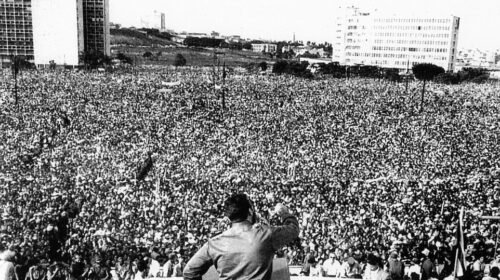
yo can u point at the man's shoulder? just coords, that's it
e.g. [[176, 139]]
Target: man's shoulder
[[229, 233], [382, 274]]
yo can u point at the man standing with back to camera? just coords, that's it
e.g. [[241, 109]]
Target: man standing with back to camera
[[246, 250]]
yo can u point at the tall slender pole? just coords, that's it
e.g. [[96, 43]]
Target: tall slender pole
[[223, 86], [15, 85], [407, 70]]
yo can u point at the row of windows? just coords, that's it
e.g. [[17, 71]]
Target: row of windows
[[404, 49], [415, 27], [411, 42], [15, 5], [18, 37], [399, 56], [18, 14], [416, 35], [26, 21], [423, 35], [412, 20]]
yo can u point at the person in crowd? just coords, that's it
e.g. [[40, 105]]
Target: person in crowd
[[332, 266], [179, 267], [368, 173], [246, 250], [494, 273], [428, 267], [374, 271], [395, 267], [7, 265]]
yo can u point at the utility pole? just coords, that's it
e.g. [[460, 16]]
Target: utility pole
[[15, 71], [407, 70]]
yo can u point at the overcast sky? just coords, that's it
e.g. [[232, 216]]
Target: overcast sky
[[311, 20]]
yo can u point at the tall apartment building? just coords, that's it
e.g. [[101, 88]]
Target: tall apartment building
[[96, 26], [394, 41], [16, 30], [57, 39], [163, 27], [53, 30]]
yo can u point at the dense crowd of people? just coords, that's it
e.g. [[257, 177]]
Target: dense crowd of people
[[123, 175]]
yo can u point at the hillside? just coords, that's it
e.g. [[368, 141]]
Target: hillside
[[132, 37], [135, 44]]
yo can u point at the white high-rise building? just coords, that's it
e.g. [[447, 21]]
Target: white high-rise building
[[394, 41], [57, 39]]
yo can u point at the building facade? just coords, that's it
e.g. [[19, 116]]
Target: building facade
[[16, 29], [270, 48], [58, 39], [476, 58], [53, 30], [96, 26], [394, 41]]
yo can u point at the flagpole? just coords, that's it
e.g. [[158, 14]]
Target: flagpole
[[460, 245]]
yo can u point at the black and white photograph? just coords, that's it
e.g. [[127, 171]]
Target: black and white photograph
[[249, 139]]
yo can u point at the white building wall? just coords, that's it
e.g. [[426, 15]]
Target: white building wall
[[394, 41], [264, 47], [55, 31]]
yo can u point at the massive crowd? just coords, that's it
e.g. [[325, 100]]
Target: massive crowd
[[123, 175]]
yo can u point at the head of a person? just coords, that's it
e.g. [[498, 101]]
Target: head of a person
[[238, 208], [373, 262], [494, 271]]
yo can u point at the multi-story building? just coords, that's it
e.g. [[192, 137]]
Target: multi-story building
[[163, 27], [264, 47], [16, 29], [394, 41], [58, 39], [53, 30], [154, 20], [96, 26], [476, 58], [233, 38]]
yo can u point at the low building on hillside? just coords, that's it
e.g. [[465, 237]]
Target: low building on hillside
[[264, 47]]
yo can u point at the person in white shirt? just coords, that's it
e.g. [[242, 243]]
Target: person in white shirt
[[332, 267], [414, 268], [179, 267], [7, 265], [494, 271], [154, 268], [373, 270], [316, 270]]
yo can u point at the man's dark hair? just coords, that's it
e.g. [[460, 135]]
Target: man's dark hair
[[494, 272], [237, 207], [372, 259]]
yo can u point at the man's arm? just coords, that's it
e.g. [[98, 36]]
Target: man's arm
[[198, 265], [287, 232]]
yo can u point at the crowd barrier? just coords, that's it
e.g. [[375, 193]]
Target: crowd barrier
[[281, 271], [291, 278]]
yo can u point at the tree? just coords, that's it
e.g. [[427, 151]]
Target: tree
[[95, 59], [426, 72], [470, 74], [179, 60], [263, 66], [280, 67], [247, 46], [123, 58], [447, 78]]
